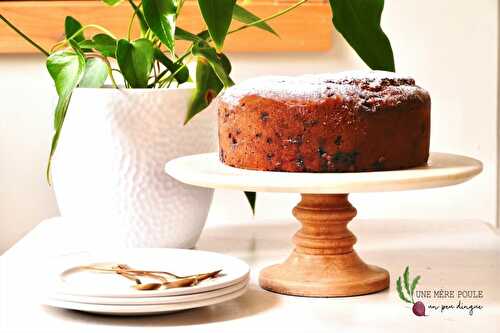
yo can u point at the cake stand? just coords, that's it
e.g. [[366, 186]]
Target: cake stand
[[323, 263]]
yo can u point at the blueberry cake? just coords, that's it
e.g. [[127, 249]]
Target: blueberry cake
[[345, 122]]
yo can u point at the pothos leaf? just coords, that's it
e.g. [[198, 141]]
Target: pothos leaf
[[96, 73], [359, 22], [112, 2], [244, 16], [182, 74], [66, 69], [208, 86], [219, 62], [160, 16], [182, 34], [135, 60], [71, 27], [217, 15], [251, 198], [204, 35], [103, 43], [401, 294]]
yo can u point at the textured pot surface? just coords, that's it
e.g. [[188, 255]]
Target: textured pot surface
[[108, 168]]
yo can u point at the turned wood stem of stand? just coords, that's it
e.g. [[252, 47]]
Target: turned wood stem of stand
[[323, 263], [324, 221]]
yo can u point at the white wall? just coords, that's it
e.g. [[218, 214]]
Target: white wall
[[449, 46], [26, 101]]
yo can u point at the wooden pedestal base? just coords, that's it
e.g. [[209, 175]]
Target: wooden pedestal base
[[324, 263]]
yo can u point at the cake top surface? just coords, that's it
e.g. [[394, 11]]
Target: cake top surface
[[373, 87]]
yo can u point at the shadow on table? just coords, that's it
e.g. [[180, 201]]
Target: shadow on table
[[253, 302]]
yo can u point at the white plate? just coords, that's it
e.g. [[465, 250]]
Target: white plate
[[180, 262], [137, 310], [149, 300], [207, 171]]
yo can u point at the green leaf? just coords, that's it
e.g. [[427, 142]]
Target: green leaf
[[96, 73], [400, 291], [406, 280], [103, 43], [61, 108], [182, 34], [208, 86], [182, 74], [217, 15], [251, 198], [72, 26], [66, 69], [204, 35], [112, 2], [359, 22], [219, 62], [160, 16], [244, 16], [414, 285], [135, 60]]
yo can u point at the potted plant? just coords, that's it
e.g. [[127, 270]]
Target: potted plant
[[107, 161]]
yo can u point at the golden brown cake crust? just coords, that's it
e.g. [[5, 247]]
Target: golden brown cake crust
[[347, 122]]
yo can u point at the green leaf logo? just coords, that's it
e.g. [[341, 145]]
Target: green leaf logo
[[406, 290], [409, 288]]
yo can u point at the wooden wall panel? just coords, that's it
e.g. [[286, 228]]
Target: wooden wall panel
[[307, 28]]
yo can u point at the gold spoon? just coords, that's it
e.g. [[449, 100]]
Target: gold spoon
[[182, 282]]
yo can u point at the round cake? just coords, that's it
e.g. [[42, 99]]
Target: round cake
[[344, 122]]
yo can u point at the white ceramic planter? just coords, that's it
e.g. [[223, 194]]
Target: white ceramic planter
[[108, 169]]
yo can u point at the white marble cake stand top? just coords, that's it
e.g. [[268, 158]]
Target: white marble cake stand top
[[206, 170]]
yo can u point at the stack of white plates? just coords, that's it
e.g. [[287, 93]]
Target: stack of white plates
[[112, 294]]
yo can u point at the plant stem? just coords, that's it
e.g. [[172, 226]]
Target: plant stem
[[171, 76], [123, 78], [284, 11], [179, 60], [29, 40], [142, 24], [95, 26], [130, 26], [155, 71]]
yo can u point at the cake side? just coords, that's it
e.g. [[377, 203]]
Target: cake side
[[326, 123]]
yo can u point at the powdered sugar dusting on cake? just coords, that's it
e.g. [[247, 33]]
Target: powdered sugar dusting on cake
[[320, 86], [376, 76], [307, 87]]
